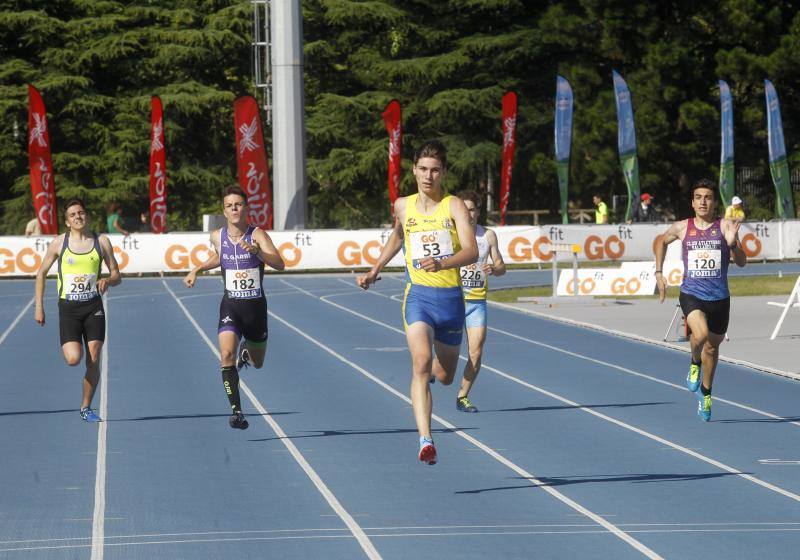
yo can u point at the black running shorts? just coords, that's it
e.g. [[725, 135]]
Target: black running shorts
[[717, 312], [245, 317], [80, 321]]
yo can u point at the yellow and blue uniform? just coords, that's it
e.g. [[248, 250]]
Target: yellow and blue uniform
[[80, 307], [476, 284], [435, 298]]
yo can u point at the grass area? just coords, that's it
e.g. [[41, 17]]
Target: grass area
[[739, 286]]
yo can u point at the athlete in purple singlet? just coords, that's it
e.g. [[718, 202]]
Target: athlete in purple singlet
[[708, 244], [241, 251]]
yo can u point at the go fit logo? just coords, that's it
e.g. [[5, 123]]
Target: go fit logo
[[522, 249], [353, 253]]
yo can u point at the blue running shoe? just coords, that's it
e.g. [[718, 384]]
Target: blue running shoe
[[465, 405], [244, 359], [89, 416], [704, 407], [693, 378], [427, 452]]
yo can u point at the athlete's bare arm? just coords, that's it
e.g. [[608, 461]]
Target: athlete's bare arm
[[210, 263], [264, 249], [730, 229], [466, 236], [393, 245], [674, 232], [50, 257], [114, 277], [498, 265]]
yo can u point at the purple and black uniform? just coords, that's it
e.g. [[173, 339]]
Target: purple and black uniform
[[243, 309], [706, 256]]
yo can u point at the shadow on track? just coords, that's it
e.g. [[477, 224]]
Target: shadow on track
[[637, 478]]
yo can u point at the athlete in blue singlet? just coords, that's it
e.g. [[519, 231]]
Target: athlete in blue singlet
[[438, 239], [708, 244], [81, 317], [241, 251]]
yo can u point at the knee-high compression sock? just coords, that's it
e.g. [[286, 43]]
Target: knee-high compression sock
[[230, 379]]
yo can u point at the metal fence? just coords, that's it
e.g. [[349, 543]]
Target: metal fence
[[755, 183]]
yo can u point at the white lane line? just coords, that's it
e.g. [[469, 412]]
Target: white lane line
[[587, 531], [610, 527], [446, 529], [15, 321], [600, 415], [99, 518], [355, 528], [638, 338], [681, 388]]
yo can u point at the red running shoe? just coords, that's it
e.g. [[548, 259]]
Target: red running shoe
[[427, 452]]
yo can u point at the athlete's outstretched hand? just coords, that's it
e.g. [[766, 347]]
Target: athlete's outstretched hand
[[365, 280], [732, 232], [38, 315], [189, 279], [662, 287]]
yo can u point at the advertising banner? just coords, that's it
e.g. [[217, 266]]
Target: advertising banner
[[43, 185], [727, 177], [393, 119], [158, 168], [359, 249], [563, 134], [626, 141]]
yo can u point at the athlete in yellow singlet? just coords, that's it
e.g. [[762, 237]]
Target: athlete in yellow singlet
[[475, 281], [82, 322], [438, 239]]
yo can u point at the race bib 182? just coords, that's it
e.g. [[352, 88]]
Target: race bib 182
[[243, 283]]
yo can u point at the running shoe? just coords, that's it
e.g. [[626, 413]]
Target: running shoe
[[704, 407], [89, 416], [693, 378], [244, 359], [427, 452], [465, 405], [237, 421], [432, 380]]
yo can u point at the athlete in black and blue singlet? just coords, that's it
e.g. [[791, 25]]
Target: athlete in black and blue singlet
[[82, 322], [241, 251], [708, 243]]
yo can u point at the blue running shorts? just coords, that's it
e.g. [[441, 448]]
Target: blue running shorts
[[475, 313], [441, 308]]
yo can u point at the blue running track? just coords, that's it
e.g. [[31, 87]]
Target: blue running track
[[586, 445]]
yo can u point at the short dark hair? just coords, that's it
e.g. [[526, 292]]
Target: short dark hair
[[234, 189], [470, 195], [73, 202], [597, 195], [432, 149], [705, 184]]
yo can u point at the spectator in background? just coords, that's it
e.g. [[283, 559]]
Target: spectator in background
[[33, 227], [601, 214], [735, 211], [144, 222], [114, 220], [644, 211]]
